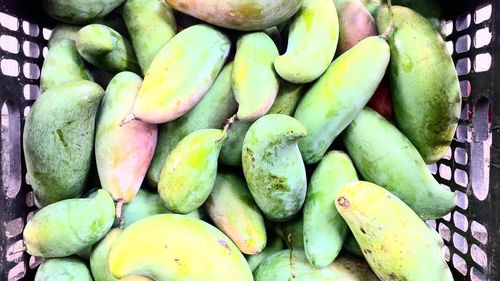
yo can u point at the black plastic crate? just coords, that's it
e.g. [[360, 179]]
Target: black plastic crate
[[471, 167]]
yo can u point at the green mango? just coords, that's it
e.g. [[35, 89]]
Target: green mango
[[293, 233], [69, 226], [255, 84], [63, 269], [107, 49], [123, 152], [286, 102], [145, 204], [293, 265], [338, 96], [397, 244], [58, 140], [424, 84], [273, 166], [384, 156], [240, 15], [188, 175], [372, 6], [194, 57], [324, 229], [351, 246], [274, 245], [211, 112], [312, 41], [63, 31], [150, 23], [62, 64], [78, 11], [427, 8], [99, 257], [233, 210]]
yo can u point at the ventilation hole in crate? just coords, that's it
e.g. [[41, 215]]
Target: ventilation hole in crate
[[463, 22], [460, 243], [482, 37], [14, 227], [46, 33], [479, 256], [30, 199], [461, 156], [459, 264], [26, 111], [30, 215], [31, 49], [9, 43], [461, 177], [463, 133], [448, 27], [447, 217], [11, 149], [17, 272], [465, 88], [449, 47], [460, 221], [9, 21], [444, 231], [31, 92], [34, 262], [31, 70], [433, 168], [463, 44], [10, 67], [463, 66], [476, 275], [31, 29], [27, 179], [479, 232], [482, 62], [45, 52], [15, 251], [444, 172], [448, 153], [446, 253], [482, 13], [462, 200], [431, 223]]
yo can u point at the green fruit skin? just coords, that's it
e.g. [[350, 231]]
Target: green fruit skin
[[63, 31], [233, 210], [338, 96], [285, 264], [274, 245], [324, 229], [424, 84], [397, 244], [145, 204], [427, 8], [286, 102], [69, 226], [188, 175], [151, 24], [78, 11], [99, 257], [312, 42], [194, 57], [240, 15], [62, 64], [211, 112], [63, 269], [351, 246], [377, 147], [105, 48], [255, 84], [58, 140], [293, 233], [273, 167], [372, 6]]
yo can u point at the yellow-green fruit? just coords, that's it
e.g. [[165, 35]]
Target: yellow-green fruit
[[63, 269], [176, 247], [397, 244], [189, 173], [79, 11], [145, 204], [63, 31], [274, 245], [293, 233], [181, 73], [99, 257], [255, 84], [312, 42]]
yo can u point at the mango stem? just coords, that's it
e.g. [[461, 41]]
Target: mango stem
[[228, 124], [119, 214], [390, 28]]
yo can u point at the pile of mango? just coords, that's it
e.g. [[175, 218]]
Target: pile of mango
[[241, 140]]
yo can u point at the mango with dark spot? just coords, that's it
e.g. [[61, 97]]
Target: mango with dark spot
[[424, 84], [78, 11], [293, 233], [63, 269], [397, 244]]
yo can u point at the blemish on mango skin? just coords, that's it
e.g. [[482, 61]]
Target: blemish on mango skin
[[343, 202]]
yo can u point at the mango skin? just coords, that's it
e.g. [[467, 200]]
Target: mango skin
[[293, 233], [194, 251], [123, 151], [337, 97], [99, 256], [145, 204], [189, 173], [397, 244], [194, 57], [150, 23], [312, 42], [80, 223], [58, 140], [63, 269], [255, 84], [376, 147], [324, 229], [240, 15], [293, 265], [63, 31], [424, 84], [211, 112], [78, 11], [273, 166], [274, 245], [351, 246]]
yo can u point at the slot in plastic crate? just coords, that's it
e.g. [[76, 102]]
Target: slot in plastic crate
[[471, 167]]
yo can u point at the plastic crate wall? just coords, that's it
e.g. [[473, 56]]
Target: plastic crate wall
[[471, 167]]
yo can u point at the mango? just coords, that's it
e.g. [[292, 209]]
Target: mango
[[324, 229], [63, 269], [293, 265], [273, 166], [351, 246], [194, 58], [240, 15], [99, 257], [189, 173], [424, 84], [123, 151], [372, 6], [426, 8], [62, 64], [145, 204], [312, 41], [69, 226], [58, 139], [233, 210], [63, 31], [107, 49], [211, 112], [274, 245], [150, 23], [78, 11], [194, 251], [397, 244], [255, 84], [293, 233], [338, 96]]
